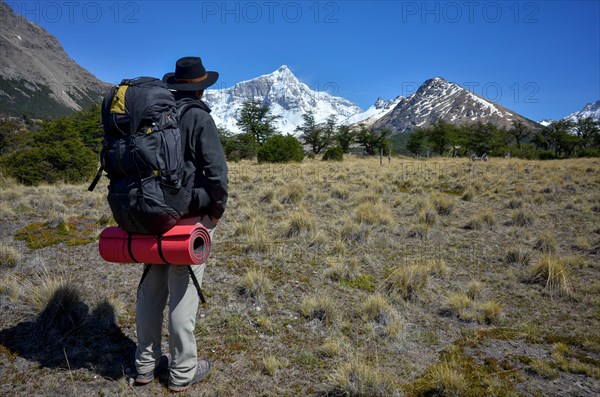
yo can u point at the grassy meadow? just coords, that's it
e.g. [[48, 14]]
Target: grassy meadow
[[439, 277]]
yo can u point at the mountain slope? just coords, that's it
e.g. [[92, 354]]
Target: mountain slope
[[592, 110], [379, 109], [37, 77], [439, 99], [284, 94]]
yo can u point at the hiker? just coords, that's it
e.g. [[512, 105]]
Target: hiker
[[176, 283]]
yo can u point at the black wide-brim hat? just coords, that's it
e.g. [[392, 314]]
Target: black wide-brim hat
[[190, 75]]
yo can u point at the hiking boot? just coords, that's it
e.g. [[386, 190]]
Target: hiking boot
[[202, 370], [162, 364]]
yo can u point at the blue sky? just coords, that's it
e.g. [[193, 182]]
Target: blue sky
[[538, 58]]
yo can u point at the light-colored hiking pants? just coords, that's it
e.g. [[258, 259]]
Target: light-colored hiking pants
[[174, 284]]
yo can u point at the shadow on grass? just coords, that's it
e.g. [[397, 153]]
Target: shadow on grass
[[67, 335]]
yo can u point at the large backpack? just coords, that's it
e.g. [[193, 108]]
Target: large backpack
[[150, 184]]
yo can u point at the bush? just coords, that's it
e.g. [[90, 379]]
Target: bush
[[238, 147], [546, 155], [64, 149], [589, 152], [527, 151], [68, 161], [280, 149], [334, 154]]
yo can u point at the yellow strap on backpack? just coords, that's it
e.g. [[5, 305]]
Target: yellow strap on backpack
[[118, 103]]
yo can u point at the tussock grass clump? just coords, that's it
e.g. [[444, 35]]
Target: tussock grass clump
[[543, 369], [474, 289], [10, 287], [518, 256], [523, 218], [292, 194], [459, 305], [359, 379], [428, 216], [299, 224], [468, 195], [435, 266], [349, 274], [271, 364], [373, 214], [259, 241], [514, 204], [344, 271], [442, 204], [254, 284], [444, 379], [256, 233], [552, 273], [334, 346], [266, 195], [484, 218], [419, 231], [10, 256], [490, 312], [407, 281], [582, 244], [378, 309], [546, 243], [368, 197], [340, 192], [58, 300], [351, 232], [319, 307]]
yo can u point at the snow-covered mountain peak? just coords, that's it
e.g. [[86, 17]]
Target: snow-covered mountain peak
[[286, 97], [380, 103], [439, 99], [380, 108], [592, 110]]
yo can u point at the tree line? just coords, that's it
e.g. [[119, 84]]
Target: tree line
[[66, 149], [327, 138], [559, 139]]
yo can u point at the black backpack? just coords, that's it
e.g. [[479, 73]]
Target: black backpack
[[143, 156]]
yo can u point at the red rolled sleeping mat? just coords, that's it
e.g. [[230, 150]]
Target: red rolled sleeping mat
[[186, 243]]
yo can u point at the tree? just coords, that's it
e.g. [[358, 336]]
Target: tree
[[439, 136], [417, 142], [344, 137], [483, 138], [281, 149], [520, 131], [256, 120], [237, 146], [13, 136], [312, 134], [557, 136], [588, 131], [373, 140]]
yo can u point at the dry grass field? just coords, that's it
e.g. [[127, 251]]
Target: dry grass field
[[437, 277]]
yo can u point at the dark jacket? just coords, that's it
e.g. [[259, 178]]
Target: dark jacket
[[202, 146]]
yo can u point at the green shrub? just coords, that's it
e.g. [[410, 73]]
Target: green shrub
[[334, 154], [546, 155], [281, 149], [64, 149], [589, 152]]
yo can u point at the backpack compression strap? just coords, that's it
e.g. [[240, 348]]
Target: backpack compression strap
[[96, 179]]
